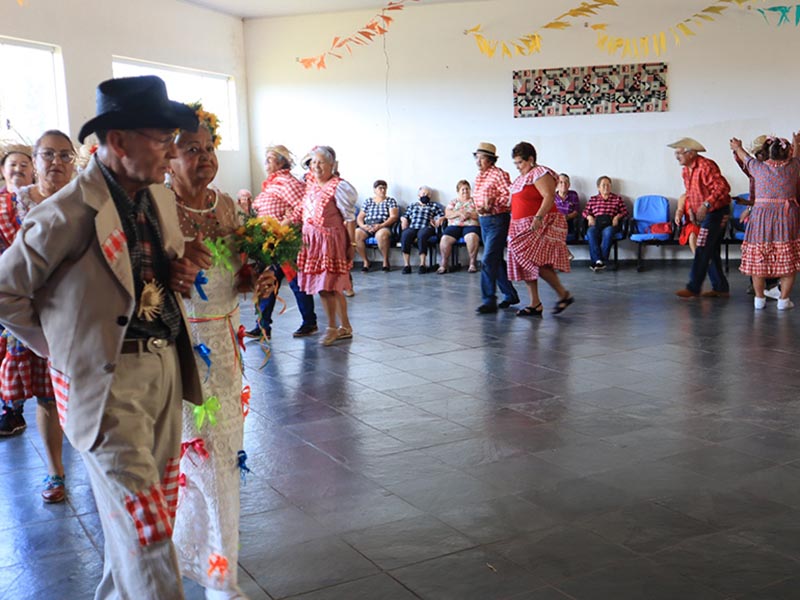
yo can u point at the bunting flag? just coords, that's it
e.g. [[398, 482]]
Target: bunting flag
[[658, 42], [531, 43], [377, 26], [782, 13]]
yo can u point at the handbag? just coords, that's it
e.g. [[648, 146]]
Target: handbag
[[603, 221]]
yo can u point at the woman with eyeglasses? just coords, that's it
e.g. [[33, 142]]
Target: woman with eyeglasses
[[23, 374]]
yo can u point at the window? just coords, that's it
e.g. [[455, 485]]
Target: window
[[216, 91], [36, 99]]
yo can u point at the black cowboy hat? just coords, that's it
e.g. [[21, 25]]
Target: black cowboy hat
[[137, 103]]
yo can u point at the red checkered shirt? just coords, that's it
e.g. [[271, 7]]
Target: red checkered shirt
[[704, 183], [281, 197], [491, 191], [613, 205]]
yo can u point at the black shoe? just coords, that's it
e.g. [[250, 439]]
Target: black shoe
[[305, 330], [386, 269], [508, 303], [11, 422], [365, 269], [406, 270], [422, 270], [485, 309], [255, 332]]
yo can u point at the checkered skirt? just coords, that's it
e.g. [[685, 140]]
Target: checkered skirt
[[528, 250], [771, 247], [24, 375]]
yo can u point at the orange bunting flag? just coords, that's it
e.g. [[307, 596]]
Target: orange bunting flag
[[378, 25]]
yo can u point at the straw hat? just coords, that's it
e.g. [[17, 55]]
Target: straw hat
[[13, 147], [283, 152], [758, 144], [487, 149], [687, 143]]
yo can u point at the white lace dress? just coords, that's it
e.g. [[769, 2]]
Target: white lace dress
[[207, 523]]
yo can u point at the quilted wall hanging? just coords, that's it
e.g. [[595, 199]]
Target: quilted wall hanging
[[597, 90]]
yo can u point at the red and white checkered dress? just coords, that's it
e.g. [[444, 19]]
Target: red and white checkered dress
[[547, 246], [771, 246], [23, 375]]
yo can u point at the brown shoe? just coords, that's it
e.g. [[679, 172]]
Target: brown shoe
[[54, 490], [715, 294], [684, 293]]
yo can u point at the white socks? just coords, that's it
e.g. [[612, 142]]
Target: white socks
[[759, 303]]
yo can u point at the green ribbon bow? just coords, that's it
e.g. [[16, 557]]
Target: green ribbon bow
[[207, 410], [220, 253]]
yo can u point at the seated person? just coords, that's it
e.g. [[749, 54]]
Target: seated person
[[375, 219], [419, 223], [567, 202], [462, 221], [603, 214]]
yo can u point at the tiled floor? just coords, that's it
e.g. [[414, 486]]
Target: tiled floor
[[637, 446]]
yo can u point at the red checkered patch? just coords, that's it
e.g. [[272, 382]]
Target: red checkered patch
[[702, 237], [170, 484], [150, 514], [115, 243], [61, 390]]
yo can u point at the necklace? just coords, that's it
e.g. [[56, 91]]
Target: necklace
[[201, 211]]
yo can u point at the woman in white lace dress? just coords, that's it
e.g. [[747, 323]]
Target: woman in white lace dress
[[206, 533]]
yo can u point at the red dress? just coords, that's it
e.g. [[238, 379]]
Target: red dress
[[23, 375], [528, 250]]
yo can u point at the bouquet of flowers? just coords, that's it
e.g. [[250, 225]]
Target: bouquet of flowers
[[269, 242]]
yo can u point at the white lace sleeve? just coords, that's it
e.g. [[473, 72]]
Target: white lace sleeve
[[346, 198]]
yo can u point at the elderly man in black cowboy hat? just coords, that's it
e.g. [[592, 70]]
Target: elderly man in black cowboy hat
[[92, 282], [493, 203]]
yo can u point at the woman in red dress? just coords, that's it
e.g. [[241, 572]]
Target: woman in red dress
[[537, 236]]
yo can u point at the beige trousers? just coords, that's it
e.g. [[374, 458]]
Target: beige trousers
[[133, 468]]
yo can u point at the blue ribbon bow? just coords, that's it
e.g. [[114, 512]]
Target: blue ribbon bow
[[199, 282], [241, 457], [205, 353]]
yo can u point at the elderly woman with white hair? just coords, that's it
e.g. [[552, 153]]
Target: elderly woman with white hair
[[281, 197], [419, 223], [329, 232]]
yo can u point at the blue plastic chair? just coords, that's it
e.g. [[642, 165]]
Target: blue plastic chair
[[736, 229], [647, 211]]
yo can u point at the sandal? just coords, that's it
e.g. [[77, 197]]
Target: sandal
[[531, 311], [472, 269], [562, 304], [441, 270]]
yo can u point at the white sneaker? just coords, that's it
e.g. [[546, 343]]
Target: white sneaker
[[774, 293], [759, 303], [785, 304]]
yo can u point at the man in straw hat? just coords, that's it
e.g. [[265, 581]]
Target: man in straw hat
[[708, 196], [493, 203], [281, 197], [93, 283]]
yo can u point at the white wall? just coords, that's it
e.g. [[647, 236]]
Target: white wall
[[89, 32], [414, 114]]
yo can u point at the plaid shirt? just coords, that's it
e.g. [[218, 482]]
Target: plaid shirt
[[419, 215], [281, 197], [377, 212], [704, 183], [569, 204], [613, 205], [491, 191], [168, 323]]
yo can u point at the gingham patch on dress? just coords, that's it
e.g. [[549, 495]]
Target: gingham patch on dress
[[114, 244], [61, 390], [150, 515], [170, 485]]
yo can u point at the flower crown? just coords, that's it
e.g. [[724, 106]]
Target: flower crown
[[208, 120]]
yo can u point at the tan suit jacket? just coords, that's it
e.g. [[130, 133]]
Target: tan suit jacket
[[66, 291]]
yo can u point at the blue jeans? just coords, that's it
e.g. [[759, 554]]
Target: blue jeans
[[600, 242], [706, 257], [494, 274], [305, 303]]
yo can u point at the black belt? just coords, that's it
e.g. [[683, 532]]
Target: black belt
[[144, 345]]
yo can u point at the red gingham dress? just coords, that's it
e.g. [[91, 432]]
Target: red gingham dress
[[23, 375], [527, 251]]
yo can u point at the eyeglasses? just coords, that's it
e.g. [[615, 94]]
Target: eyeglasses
[[66, 156], [163, 142]]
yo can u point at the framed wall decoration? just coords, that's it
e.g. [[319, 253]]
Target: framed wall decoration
[[596, 90]]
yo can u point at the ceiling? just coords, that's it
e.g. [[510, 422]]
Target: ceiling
[[251, 9]]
